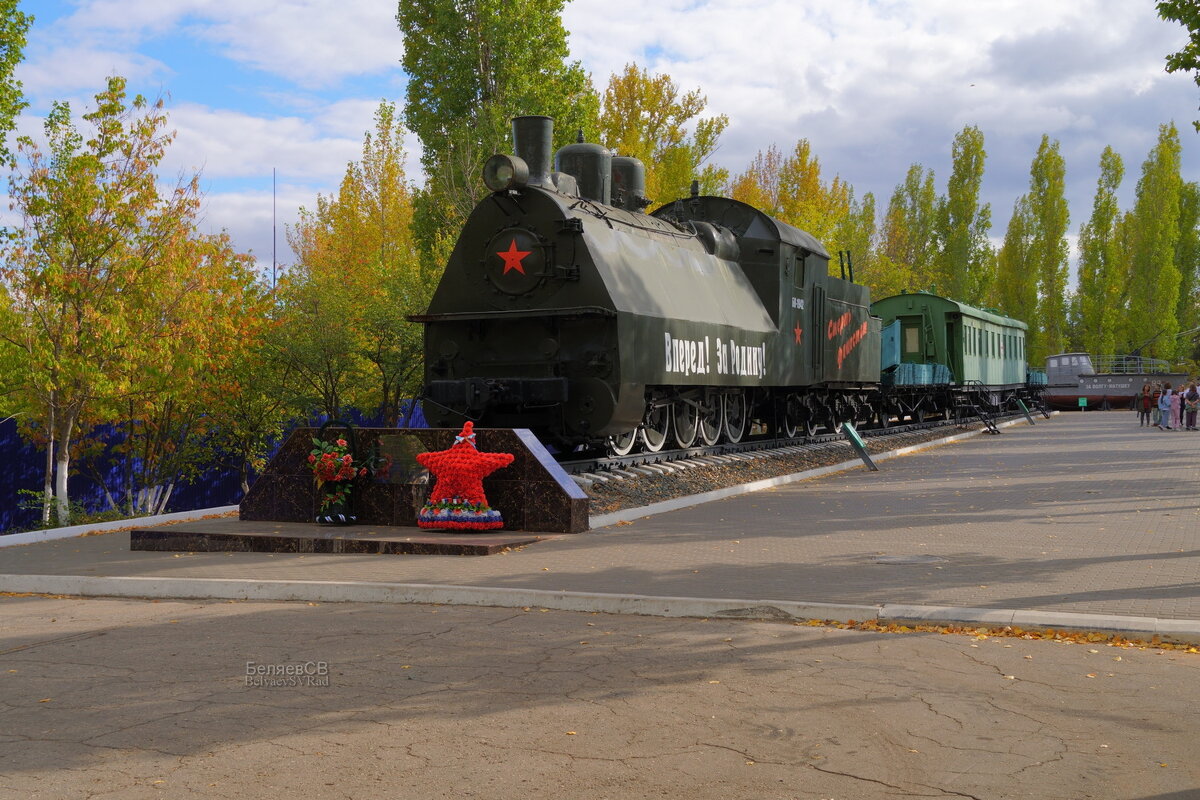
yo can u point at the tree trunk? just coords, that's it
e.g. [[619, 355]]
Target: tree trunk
[[63, 467], [48, 484]]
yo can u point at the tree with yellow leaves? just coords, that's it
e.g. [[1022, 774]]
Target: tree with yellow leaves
[[343, 337], [644, 116]]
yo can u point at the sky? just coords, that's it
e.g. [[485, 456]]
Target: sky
[[270, 98]]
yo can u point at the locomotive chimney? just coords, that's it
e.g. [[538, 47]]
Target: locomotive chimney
[[533, 143]]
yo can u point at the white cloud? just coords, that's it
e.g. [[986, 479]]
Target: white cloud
[[313, 43]]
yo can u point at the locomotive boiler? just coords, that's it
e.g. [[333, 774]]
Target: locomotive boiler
[[566, 309]]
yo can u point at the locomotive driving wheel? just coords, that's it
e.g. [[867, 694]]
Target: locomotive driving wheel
[[622, 444], [685, 418], [712, 419], [793, 415], [655, 427], [737, 415]]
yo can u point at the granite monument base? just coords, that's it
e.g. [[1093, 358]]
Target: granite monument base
[[240, 536]]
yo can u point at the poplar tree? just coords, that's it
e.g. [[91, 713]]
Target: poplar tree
[[1049, 218], [1015, 291], [645, 116], [909, 240], [1155, 277], [1187, 256], [1101, 278], [964, 257], [472, 65]]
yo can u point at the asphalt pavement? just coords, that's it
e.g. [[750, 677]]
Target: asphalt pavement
[[409, 685]]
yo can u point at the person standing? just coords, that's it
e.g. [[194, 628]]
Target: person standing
[[1164, 408], [1191, 405], [1145, 404], [1176, 410]]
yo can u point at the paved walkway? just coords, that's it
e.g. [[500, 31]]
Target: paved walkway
[[1086, 514]]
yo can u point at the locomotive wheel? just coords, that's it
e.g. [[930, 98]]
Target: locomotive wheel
[[833, 414], [622, 444], [712, 419], [792, 411], [685, 420], [656, 427], [810, 425], [737, 415]]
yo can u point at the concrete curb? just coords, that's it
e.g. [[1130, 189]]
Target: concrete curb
[[373, 592], [1139, 628], [631, 514], [32, 537]]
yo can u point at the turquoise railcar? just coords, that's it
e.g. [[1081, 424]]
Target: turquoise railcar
[[975, 346]]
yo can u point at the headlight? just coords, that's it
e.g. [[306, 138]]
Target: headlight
[[503, 172]]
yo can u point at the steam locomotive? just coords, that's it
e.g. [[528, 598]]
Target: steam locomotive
[[566, 309]]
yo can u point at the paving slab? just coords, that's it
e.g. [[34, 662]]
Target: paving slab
[[1084, 514]]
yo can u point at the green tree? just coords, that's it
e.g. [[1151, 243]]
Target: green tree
[[109, 285], [343, 335], [1187, 256], [14, 25], [1049, 218], [1155, 277], [909, 241], [472, 65], [1187, 13], [964, 252], [645, 117], [1016, 288], [1101, 279]]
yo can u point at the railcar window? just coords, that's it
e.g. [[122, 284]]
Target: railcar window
[[912, 340]]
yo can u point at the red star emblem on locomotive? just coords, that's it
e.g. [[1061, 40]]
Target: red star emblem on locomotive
[[513, 257], [799, 332]]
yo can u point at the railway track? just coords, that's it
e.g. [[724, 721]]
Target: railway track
[[665, 462]]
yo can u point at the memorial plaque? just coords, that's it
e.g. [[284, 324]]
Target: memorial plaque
[[402, 450]]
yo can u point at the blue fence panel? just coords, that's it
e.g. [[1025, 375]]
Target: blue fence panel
[[220, 486]]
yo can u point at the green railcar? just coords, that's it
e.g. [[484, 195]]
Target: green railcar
[[978, 347]]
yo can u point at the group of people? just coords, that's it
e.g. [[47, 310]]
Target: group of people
[[1170, 410]]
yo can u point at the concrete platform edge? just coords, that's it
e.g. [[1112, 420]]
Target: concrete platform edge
[[372, 592], [1140, 628]]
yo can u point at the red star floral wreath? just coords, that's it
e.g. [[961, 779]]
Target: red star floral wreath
[[457, 501]]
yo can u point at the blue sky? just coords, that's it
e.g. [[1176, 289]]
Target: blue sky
[[874, 85]]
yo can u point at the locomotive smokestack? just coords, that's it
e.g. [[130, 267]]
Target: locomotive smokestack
[[533, 143]]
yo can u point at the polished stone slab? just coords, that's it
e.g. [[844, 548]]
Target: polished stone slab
[[533, 493], [240, 536]]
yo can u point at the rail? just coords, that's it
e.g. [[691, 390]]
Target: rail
[[1129, 365]]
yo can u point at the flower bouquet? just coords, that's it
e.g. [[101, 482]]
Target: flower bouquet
[[336, 469]]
